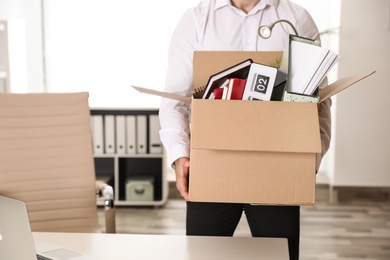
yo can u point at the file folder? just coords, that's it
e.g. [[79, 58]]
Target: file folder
[[98, 139], [155, 145], [109, 134], [130, 134], [141, 122], [120, 134]]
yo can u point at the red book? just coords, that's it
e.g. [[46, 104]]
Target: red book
[[236, 88], [218, 93]]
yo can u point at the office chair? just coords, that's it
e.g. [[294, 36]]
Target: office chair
[[46, 160]]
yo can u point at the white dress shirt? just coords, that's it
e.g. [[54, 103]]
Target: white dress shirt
[[218, 25]]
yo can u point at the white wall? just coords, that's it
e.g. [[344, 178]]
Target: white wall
[[362, 134], [104, 47], [26, 63], [34, 42]]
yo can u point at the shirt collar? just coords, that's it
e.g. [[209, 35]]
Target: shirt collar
[[260, 5]]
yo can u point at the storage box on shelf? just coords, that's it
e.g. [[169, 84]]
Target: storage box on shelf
[[129, 155]]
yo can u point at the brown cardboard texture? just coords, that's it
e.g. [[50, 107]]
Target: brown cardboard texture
[[252, 151], [341, 84]]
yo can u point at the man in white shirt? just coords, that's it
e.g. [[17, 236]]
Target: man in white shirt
[[229, 26]]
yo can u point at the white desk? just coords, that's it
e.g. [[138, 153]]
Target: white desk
[[172, 247]]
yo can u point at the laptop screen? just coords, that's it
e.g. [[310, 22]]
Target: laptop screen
[[16, 240]]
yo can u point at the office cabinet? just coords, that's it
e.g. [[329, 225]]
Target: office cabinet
[[129, 156]]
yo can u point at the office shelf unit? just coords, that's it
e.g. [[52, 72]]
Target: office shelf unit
[[135, 170]]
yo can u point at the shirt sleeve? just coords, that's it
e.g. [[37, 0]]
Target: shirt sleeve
[[306, 26], [174, 115]]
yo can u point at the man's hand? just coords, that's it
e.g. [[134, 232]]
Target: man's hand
[[182, 170]]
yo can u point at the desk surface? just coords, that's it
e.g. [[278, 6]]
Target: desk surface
[[130, 246]]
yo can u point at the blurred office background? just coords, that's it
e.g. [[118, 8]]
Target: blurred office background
[[103, 47]]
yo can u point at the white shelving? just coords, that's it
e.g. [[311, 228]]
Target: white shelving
[[137, 176]]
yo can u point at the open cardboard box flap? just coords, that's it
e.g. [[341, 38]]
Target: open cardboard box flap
[[341, 84]]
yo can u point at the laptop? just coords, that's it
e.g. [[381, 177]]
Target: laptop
[[16, 239]]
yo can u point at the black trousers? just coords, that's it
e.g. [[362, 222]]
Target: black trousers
[[221, 219]]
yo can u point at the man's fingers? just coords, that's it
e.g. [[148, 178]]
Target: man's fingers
[[182, 186]]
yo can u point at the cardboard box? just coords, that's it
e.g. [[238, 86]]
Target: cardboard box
[[255, 152]]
